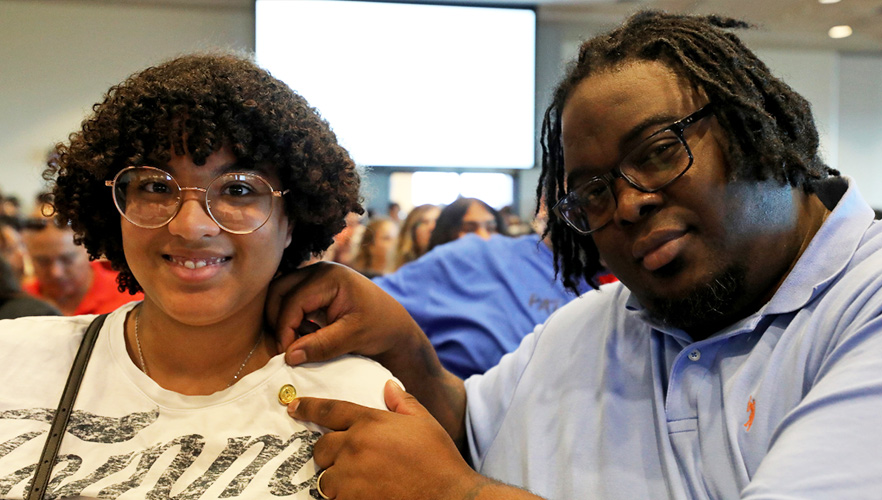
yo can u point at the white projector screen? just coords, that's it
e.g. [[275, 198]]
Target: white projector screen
[[410, 85]]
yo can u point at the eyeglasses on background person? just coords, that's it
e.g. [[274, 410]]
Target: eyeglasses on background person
[[471, 226], [148, 197], [657, 161]]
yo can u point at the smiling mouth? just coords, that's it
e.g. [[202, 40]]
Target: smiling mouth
[[195, 263]]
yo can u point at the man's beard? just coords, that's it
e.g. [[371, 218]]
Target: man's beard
[[709, 305]]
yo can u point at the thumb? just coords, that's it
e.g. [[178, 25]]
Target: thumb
[[401, 402]]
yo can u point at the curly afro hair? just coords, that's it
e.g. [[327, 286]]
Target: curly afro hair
[[197, 104], [771, 131]]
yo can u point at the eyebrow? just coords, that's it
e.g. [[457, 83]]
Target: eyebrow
[[661, 120]]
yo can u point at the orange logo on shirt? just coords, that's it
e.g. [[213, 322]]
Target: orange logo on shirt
[[751, 409]]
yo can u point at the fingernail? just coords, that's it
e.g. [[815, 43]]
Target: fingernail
[[397, 383], [292, 407], [295, 358]]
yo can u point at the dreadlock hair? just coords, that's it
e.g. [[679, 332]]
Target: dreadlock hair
[[196, 105], [770, 129]]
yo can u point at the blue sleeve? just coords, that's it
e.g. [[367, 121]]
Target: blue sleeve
[[477, 299], [434, 290]]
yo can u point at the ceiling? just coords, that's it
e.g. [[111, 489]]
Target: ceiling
[[781, 23]]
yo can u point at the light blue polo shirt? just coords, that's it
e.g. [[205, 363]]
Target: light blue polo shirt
[[600, 403]]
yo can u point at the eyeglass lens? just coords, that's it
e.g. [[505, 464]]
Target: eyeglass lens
[[148, 197], [474, 226], [651, 165]]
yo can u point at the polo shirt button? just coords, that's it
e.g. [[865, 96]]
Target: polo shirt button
[[695, 355]]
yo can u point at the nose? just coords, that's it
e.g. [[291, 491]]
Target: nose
[[192, 221], [632, 204], [56, 269]]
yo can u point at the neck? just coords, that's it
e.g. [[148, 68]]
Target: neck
[[811, 217], [196, 359], [757, 290]]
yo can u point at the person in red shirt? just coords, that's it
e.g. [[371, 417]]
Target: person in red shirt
[[64, 275]]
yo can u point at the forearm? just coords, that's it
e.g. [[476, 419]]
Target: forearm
[[416, 364]]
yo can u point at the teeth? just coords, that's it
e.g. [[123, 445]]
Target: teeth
[[196, 264]]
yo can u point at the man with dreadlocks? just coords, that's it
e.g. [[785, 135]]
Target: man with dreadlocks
[[740, 356]]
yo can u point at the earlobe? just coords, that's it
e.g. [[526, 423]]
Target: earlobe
[[290, 236]]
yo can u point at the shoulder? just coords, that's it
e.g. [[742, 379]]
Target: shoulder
[[53, 325], [579, 328], [26, 305], [611, 301], [43, 335], [576, 332], [348, 378]]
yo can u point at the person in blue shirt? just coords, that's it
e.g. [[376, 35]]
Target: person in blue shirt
[[466, 216], [476, 299], [739, 356]]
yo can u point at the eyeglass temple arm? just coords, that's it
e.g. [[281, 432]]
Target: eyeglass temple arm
[[694, 117]]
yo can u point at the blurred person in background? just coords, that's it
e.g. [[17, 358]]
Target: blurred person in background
[[12, 247], [9, 206], [377, 248], [513, 222], [413, 239], [64, 275], [345, 246], [477, 299], [394, 212], [14, 302], [464, 216]]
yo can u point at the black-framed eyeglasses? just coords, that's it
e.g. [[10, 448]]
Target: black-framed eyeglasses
[[149, 197], [656, 162]]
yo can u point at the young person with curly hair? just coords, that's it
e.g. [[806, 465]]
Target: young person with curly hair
[[740, 355], [200, 180]]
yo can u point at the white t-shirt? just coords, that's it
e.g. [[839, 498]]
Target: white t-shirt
[[130, 438]]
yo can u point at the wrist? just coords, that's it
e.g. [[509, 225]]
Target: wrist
[[479, 487], [411, 356]]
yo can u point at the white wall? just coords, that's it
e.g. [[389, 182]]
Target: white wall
[[58, 58], [815, 75], [860, 125]]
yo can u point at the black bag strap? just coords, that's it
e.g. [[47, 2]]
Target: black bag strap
[[62, 414]]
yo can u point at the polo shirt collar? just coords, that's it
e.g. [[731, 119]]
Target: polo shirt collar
[[831, 249]]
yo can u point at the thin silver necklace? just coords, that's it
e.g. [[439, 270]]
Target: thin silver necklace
[[144, 365]]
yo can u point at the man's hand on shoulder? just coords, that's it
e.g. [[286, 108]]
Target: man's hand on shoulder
[[359, 317]]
